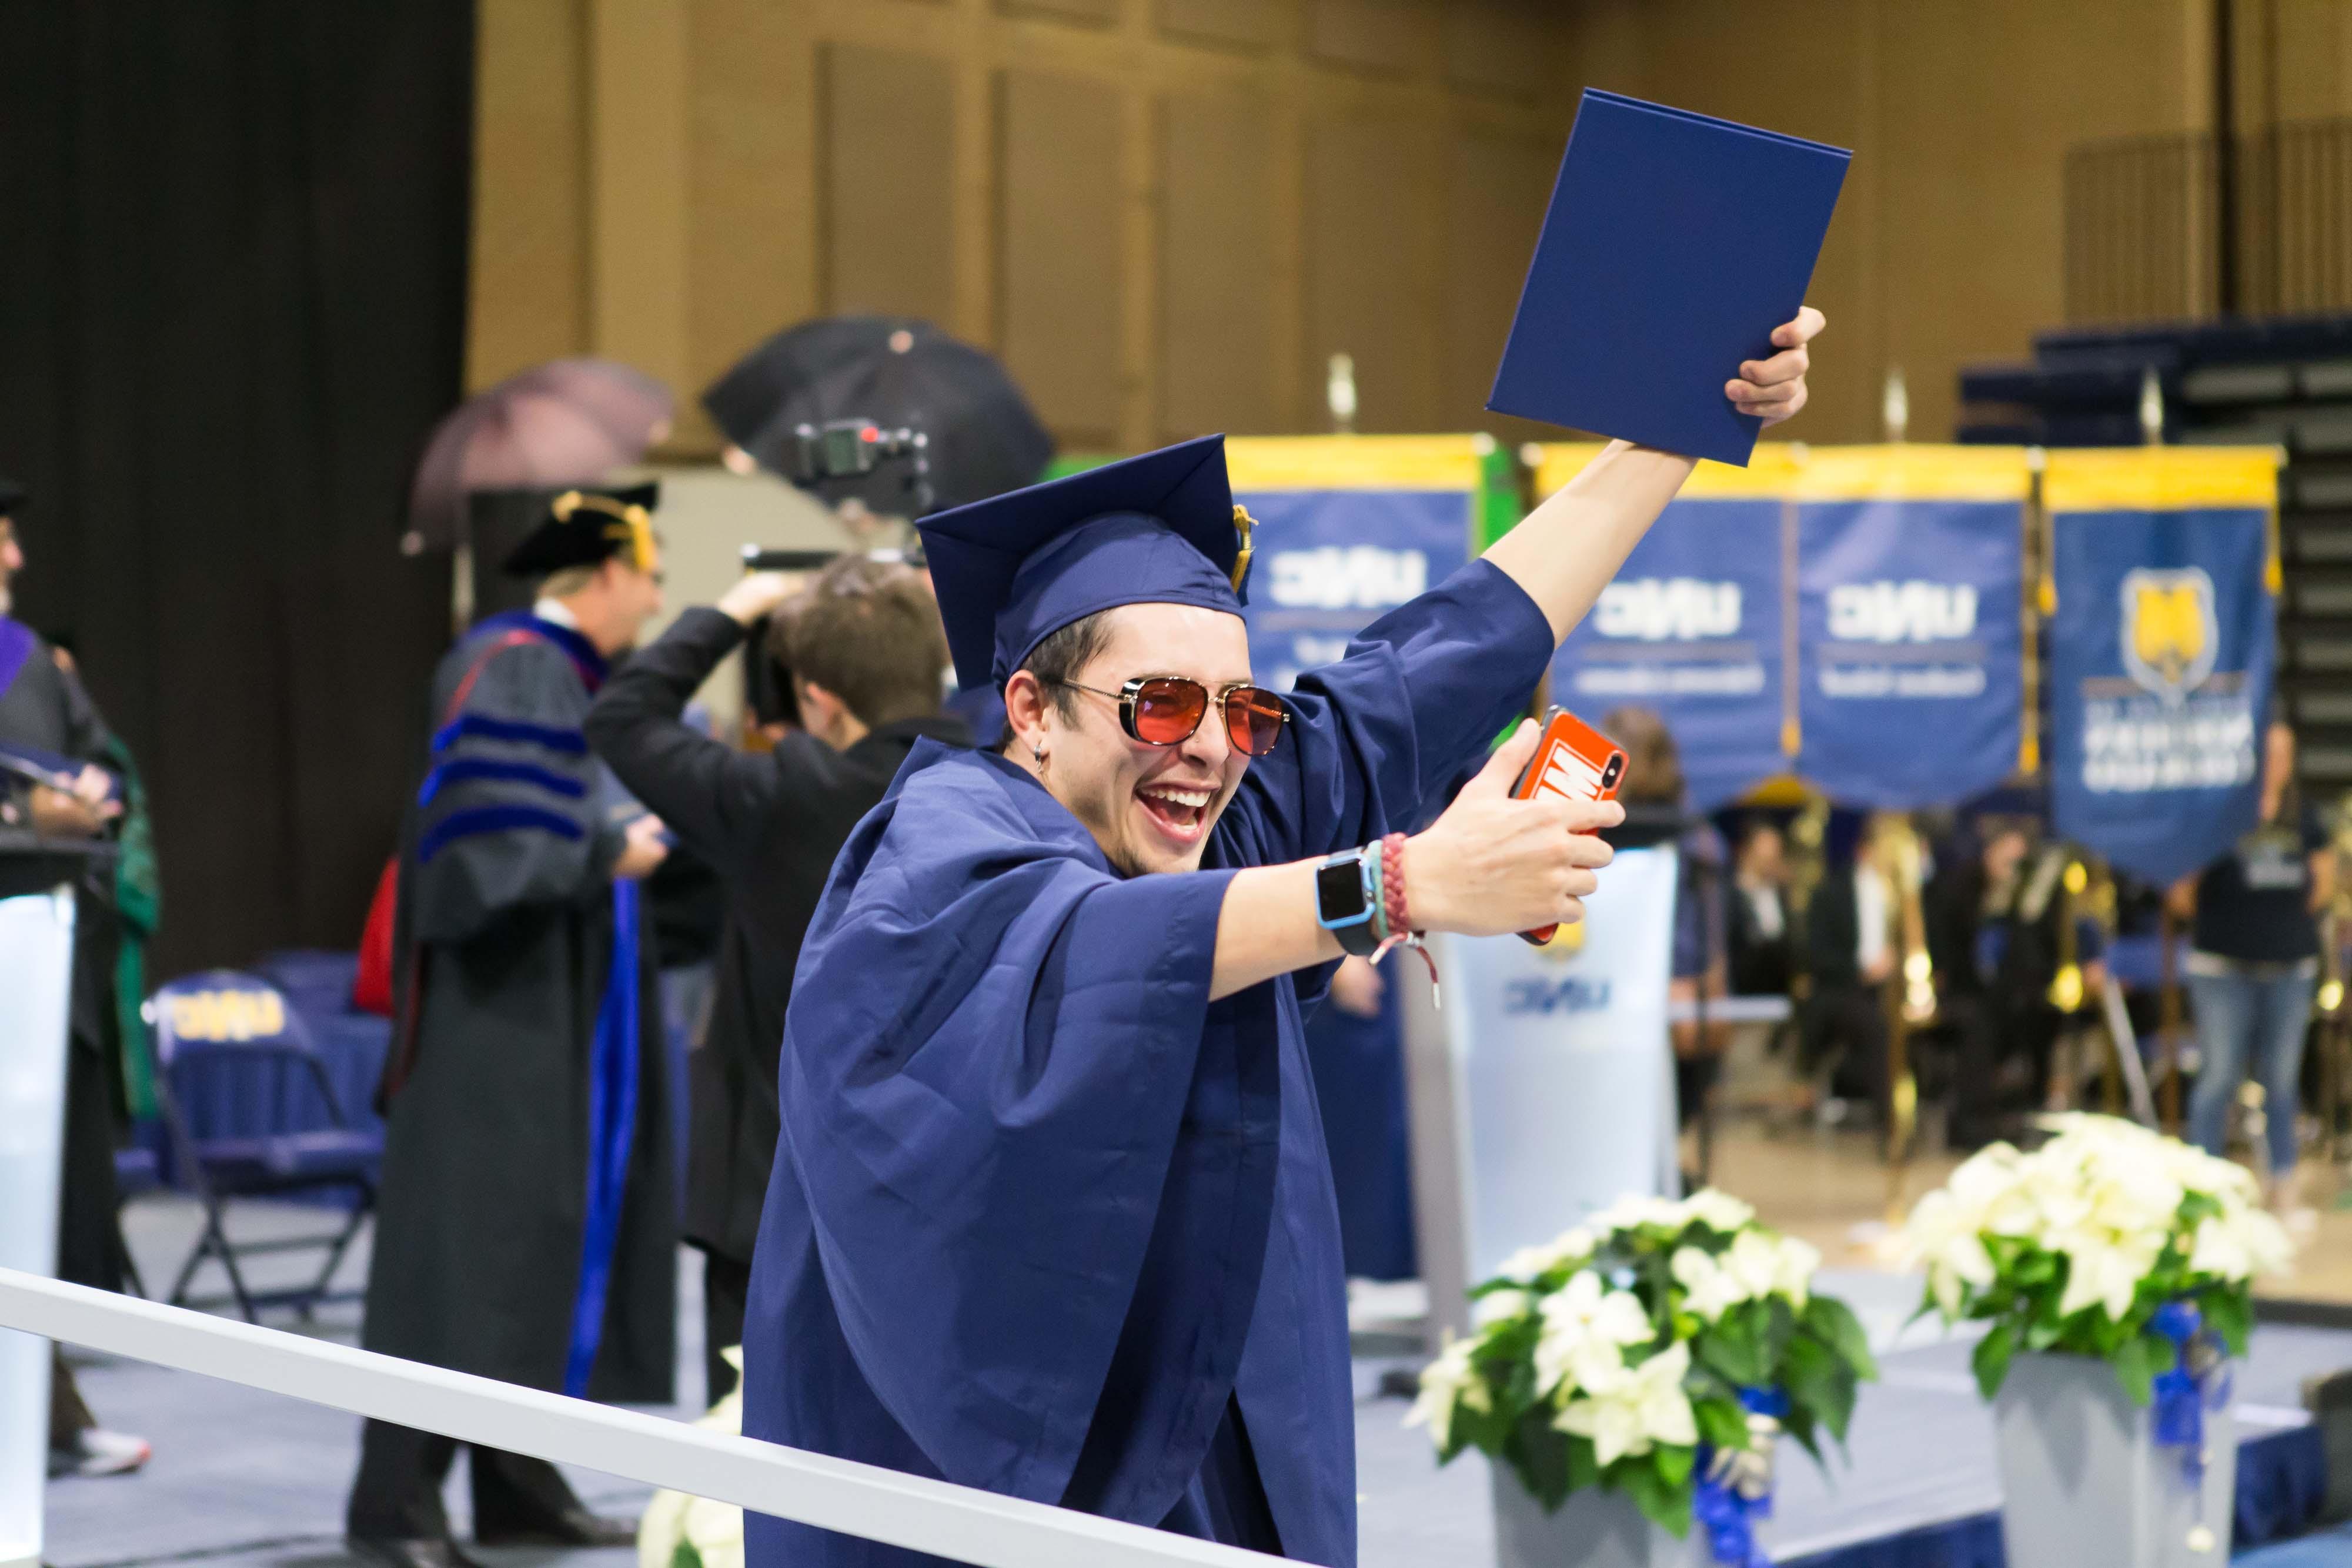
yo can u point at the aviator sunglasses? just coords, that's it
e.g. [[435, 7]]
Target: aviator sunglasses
[[1165, 710]]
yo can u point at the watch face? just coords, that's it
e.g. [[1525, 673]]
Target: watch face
[[1340, 890]]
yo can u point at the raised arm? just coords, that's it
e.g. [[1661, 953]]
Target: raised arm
[[715, 798], [1568, 548]]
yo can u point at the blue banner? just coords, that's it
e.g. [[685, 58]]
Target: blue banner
[[1692, 627], [2161, 655], [1910, 657], [1330, 563]]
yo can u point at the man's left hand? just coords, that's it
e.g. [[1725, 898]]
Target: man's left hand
[[81, 811], [1774, 388]]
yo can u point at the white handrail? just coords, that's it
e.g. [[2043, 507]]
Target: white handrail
[[959, 1523]]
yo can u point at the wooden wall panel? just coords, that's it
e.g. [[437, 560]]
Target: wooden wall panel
[[888, 136], [1970, 257], [1059, 291], [1094, 13], [1365, 295], [1495, 190], [530, 288], [1505, 46], [1386, 36], [1235, 24], [2311, 42], [753, 191], [1216, 346]]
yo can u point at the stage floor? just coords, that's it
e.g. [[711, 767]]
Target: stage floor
[[1830, 1187]]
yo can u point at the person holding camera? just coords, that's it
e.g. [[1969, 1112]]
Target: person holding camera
[[866, 652]]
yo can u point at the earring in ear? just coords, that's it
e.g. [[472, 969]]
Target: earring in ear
[[1038, 752]]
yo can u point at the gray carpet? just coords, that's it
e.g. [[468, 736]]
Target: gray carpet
[[242, 1478]]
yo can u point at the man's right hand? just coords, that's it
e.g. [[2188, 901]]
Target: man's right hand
[[643, 849], [1492, 864], [759, 593]]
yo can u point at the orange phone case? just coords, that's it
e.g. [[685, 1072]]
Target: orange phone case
[[1577, 762]]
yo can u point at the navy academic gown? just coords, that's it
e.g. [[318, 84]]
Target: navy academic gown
[[1046, 1220]]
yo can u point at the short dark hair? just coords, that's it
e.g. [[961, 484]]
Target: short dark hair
[[1654, 764], [868, 632], [1057, 660]]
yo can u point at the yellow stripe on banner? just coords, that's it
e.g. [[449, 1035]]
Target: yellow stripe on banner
[[2160, 478], [1768, 472], [1356, 462], [1914, 473]]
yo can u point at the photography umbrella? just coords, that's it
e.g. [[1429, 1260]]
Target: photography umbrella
[[569, 422], [982, 437]]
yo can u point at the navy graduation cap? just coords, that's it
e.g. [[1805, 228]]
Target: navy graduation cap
[[581, 526], [1012, 570]]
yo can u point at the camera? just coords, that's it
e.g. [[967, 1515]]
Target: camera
[[816, 456]]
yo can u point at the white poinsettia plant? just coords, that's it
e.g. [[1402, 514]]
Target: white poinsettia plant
[[1645, 1351], [2090, 1244]]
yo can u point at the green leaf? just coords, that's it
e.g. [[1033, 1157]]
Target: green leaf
[[1775, 1321], [1990, 1361], [1675, 1463], [2035, 1269], [2137, 1361], [1666, 1504], [685, 1554], [1583, 1464], [1539, 1453], [1799, 1424], [1730, 1349], [1721, 1422], [1820, 1381], [1835, 1324], [2230, 1313]]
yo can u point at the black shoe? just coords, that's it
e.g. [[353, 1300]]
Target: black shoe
[[385, 1552], [572, 1527]]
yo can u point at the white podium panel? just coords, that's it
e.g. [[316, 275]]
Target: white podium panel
[[1544, 1089], [36, 932]]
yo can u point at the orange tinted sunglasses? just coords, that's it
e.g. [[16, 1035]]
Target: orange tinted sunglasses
[[1165, 710]]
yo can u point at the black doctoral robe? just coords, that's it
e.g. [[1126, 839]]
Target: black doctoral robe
[[45, 715], [514, 1122]]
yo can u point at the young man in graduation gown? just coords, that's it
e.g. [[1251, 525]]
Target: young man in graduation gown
[[866, 654], [1052, 1214], [528, 1229], [54, 781]]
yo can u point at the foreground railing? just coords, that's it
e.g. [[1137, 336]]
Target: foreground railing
[[866, 1501]]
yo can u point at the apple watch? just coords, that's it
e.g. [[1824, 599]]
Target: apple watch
[[1345, 901]]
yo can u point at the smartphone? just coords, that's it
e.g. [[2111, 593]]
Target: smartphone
[[1576, 762]]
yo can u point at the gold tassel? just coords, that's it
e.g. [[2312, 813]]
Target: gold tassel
[[633, 523], [1244, 524]]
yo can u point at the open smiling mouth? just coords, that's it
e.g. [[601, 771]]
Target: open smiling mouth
[[1179, 812]]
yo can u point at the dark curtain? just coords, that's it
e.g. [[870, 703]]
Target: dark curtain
[[232, 303]]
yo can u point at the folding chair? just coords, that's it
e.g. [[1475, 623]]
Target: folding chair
[[136, 1170], [238, 1027]]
